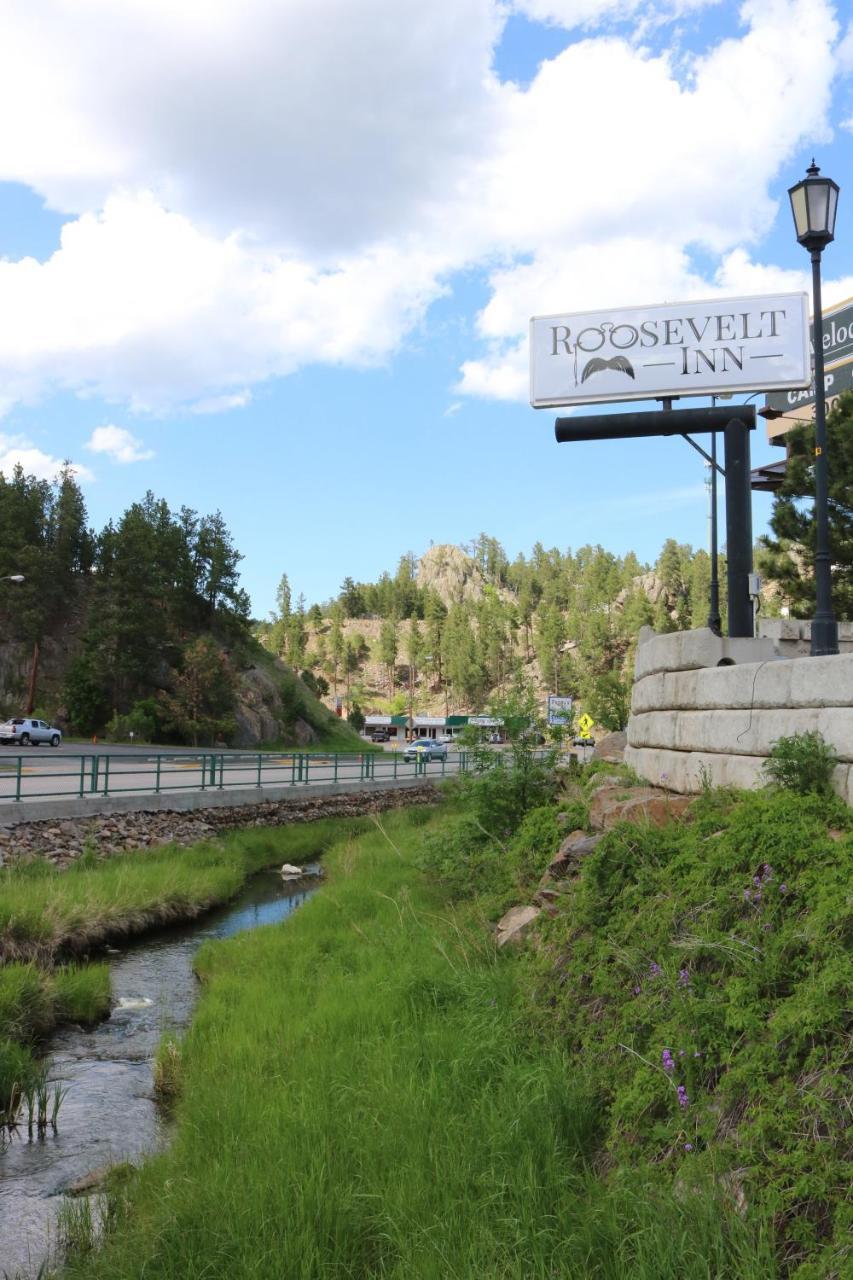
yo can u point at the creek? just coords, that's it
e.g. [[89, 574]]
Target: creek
[[109, 1113]]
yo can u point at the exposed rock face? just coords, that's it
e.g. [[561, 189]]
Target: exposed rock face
[[610, 805], [106, 834], [451, 574], [258, 711]]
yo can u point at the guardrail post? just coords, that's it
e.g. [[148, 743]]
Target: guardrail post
[[396, 758], [157, 775], [221, 771], [204, 771], [106, 775], [93, 780], [260, 766], [18, 780], [82, 775], [336, 766], [307, 763]]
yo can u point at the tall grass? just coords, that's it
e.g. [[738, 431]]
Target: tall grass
[[359, 1099], [43, 911]]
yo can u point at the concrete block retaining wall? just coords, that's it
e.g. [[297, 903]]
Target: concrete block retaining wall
[[705, 707]]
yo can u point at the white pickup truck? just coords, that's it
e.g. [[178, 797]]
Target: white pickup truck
[[29, 733]]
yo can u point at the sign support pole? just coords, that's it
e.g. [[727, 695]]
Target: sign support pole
[[736, 423], [738, 528]]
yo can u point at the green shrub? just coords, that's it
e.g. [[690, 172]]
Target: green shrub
[[534, 844], [802, 762], [575, 815]]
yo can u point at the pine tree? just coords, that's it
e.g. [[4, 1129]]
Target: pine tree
[[790, 554]]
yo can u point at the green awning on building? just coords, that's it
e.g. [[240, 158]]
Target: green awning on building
[[456, 722], [400, 721]]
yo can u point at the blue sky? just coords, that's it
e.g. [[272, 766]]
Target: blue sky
[[286, 274]]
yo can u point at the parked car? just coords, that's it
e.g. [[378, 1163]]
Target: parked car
[[29, 733], [425, 749], [380, 735], [447, 739]]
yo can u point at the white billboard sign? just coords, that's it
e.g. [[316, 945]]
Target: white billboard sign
[[677, 349], [559, 710]]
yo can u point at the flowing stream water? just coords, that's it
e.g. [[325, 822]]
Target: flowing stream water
[[109, 1113]]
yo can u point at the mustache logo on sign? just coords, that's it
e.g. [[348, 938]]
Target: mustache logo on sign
[[620, 363]]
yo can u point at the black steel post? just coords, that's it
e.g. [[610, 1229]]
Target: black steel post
[[715, 620], [738, 528], [824, 626]]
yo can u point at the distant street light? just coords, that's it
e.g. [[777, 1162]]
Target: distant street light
[[814, 201]]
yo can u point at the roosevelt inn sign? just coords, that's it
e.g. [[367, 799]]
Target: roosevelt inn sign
[[681, 349], [668, 352]]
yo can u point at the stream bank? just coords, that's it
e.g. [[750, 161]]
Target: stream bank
[[62, 842], [109, 1113]]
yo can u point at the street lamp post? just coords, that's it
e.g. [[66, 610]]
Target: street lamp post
[[814, 201]]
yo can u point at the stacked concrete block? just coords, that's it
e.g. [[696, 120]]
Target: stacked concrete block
[[706, 709]]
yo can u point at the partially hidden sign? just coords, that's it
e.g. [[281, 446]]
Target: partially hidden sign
[[677, 349]]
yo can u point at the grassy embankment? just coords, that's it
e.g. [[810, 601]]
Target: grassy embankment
[[360, 1096], [46, 914]]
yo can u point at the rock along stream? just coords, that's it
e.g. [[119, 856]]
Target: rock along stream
[[109, 1113]]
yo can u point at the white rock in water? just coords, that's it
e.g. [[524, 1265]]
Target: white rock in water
[[290, 872], [134, 1002]]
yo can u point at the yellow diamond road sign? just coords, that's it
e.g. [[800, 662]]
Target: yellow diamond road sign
[[585, 724]]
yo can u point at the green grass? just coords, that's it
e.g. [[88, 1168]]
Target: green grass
[[32, 1001], [44, 911], [359, 1098], [724, 943]]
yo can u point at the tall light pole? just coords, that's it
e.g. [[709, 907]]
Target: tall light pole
[[814, 201]]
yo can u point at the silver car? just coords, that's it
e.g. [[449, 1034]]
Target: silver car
[[425, 749], [25, 732]]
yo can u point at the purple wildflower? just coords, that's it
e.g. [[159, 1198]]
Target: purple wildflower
[[666, 1059], [637, 990], [681, 1053], [756, 880], [766, 871], [688, 1146], [746, 895], [683, 1100], [655, 969], [683, 978], [783, 888]]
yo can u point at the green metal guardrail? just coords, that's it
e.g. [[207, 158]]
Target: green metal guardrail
[[39, 776]]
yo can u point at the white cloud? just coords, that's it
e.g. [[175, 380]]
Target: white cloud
[[254, 196], [19, 451], [323, 126], [222, 404], [578, 13], [118, 443]]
